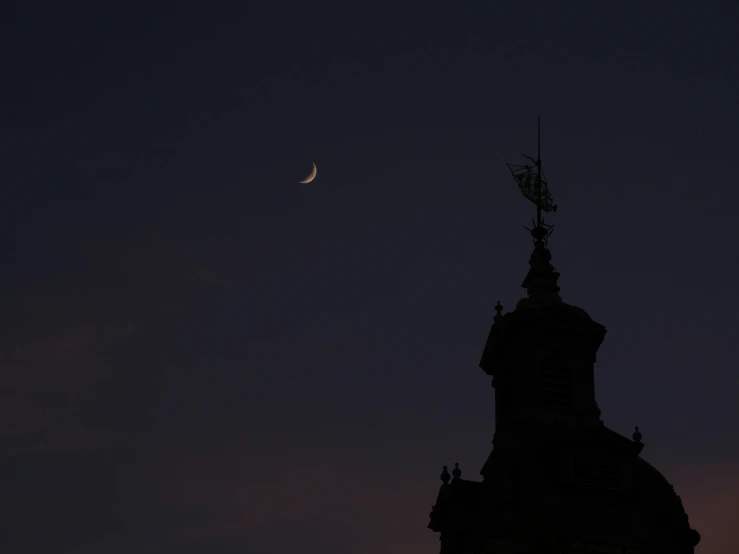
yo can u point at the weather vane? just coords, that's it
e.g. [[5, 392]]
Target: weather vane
[[534, 186]]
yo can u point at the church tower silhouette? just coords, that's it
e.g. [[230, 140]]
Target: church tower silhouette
[[557, 480]]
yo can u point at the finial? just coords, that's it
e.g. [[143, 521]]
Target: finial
[[457, 472], [541, 280], [637, 435], [498, 311], [534, 186], [444, 475]]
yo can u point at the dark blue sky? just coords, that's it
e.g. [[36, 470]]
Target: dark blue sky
[[200, 354]]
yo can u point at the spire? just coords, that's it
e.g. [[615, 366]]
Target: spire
[[541, 281]]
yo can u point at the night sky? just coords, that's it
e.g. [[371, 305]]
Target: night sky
[[201, 355]]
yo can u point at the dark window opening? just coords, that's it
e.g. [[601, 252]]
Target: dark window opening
[[556, 384]]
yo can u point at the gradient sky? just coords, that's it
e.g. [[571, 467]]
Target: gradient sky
[[200, 355]]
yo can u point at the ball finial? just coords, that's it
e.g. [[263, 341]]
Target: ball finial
[[637, 435], [498, 311]]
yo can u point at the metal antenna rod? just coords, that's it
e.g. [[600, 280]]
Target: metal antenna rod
[[538, 168], [538, 137]]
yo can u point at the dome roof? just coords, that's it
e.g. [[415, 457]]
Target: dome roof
[[660, 505]]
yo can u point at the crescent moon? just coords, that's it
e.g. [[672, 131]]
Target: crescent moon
[[312, 175]]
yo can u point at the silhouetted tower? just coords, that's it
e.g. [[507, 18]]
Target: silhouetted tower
[[557, 480]]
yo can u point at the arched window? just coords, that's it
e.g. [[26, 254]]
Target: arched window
[[556, 382]]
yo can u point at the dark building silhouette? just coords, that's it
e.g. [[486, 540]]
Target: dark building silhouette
[[557, 480]]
